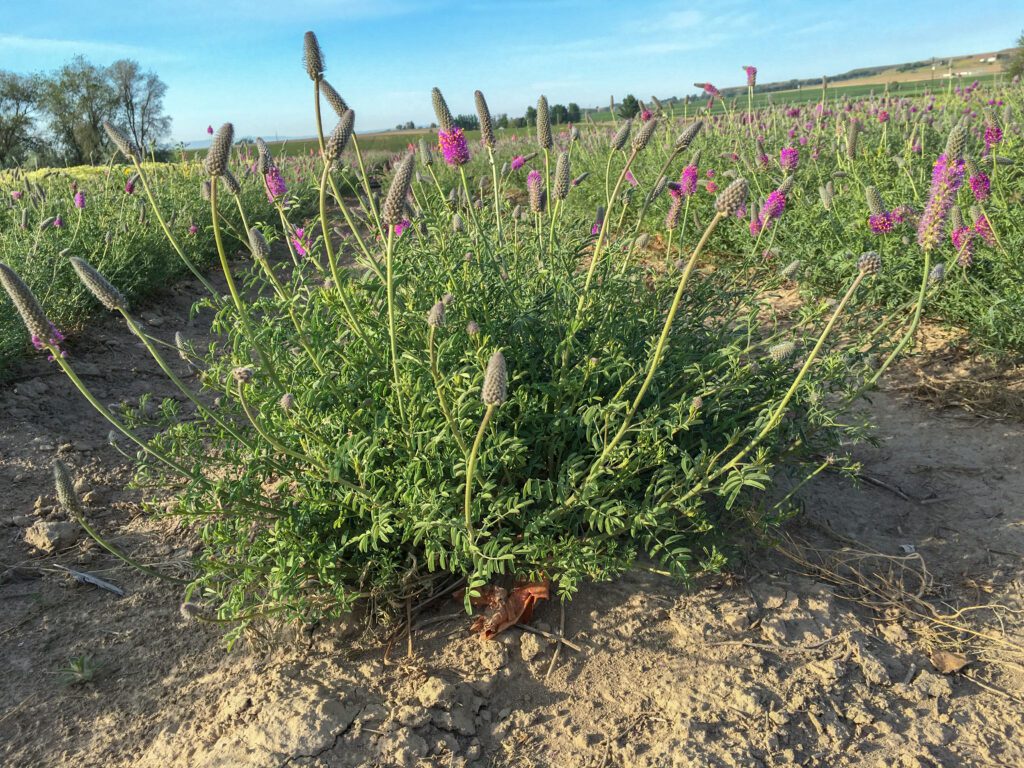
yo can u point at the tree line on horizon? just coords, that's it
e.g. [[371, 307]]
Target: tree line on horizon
[[57, 118]]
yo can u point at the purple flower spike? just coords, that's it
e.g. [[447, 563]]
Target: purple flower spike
[[454, 146]]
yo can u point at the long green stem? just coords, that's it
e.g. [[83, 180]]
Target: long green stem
[[167, 231], [116, 552], [390, 280], [912, 328], [436, 375], [658, 349], [233, 289], [105, 413], [169, 372], [776, 416], [471, 470]]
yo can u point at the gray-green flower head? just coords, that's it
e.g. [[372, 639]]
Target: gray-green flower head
[[870, 263], [98, 285], [687, 136], [495, 389], [643, 136], [732, 198], [219, 154], [333, 98], [65, 486], [781, 351], [486, 127], [445, 121], [790, 270], [312, 57], [243, 374], [120, 140], [544, 124], [340, 136], [393, 211], [435, 318], [472, 328], [622, 135], [563, 177], [25, 302]]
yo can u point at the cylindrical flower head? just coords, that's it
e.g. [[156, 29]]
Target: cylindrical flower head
[[231, 182], [435, 318], [393, 204], [333, 98], [445, 121], [956, 142], [425, 153], [643, 136], [65, 486], [182, 347], [851, 139], [544, 124], [26, 303], [659, 187], [686, 137], [956, 218], [258, 244], [204, 190], [938, 272], [339, 137], [120, 139], [219, 154], [495, 389], [622, 135], [98, 285], [486, 128], [874, 200], [563, 177], [312, 57], [264, 160], [535, 191], [870, 263], [781, 351], [732, 198], [790, 270], [787, 185]]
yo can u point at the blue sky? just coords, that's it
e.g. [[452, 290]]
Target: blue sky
[[241, 60]]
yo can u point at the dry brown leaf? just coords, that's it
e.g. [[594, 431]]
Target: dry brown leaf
[[948, 663], [507, 608]]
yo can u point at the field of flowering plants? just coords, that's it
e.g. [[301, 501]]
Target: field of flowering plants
[[494, 368], [532, 358]]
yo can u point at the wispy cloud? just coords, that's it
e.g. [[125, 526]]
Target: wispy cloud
[[64, 48]]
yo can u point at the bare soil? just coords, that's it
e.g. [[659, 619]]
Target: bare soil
[[822, 650]]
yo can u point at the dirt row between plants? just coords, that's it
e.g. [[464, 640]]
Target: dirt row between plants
[[826, 651]]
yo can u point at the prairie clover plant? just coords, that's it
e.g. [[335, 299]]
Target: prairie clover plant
[[475, 378]]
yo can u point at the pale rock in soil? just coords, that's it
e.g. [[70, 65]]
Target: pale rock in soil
[[51, 536], [435, 693], [529, 646], [493, 655], [403, 748]]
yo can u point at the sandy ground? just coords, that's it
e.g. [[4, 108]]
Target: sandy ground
[[822, 651]]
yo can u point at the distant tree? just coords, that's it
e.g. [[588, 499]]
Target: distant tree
[[409, 125], [520, 122], [1016, 66], [531, 116], [467, 122], [501, 121], [76, 100], [18, 95], [559, 114], [573, 111], [140, 102], [629, 107]]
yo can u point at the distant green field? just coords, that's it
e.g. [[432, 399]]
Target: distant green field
[[394, 141]]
